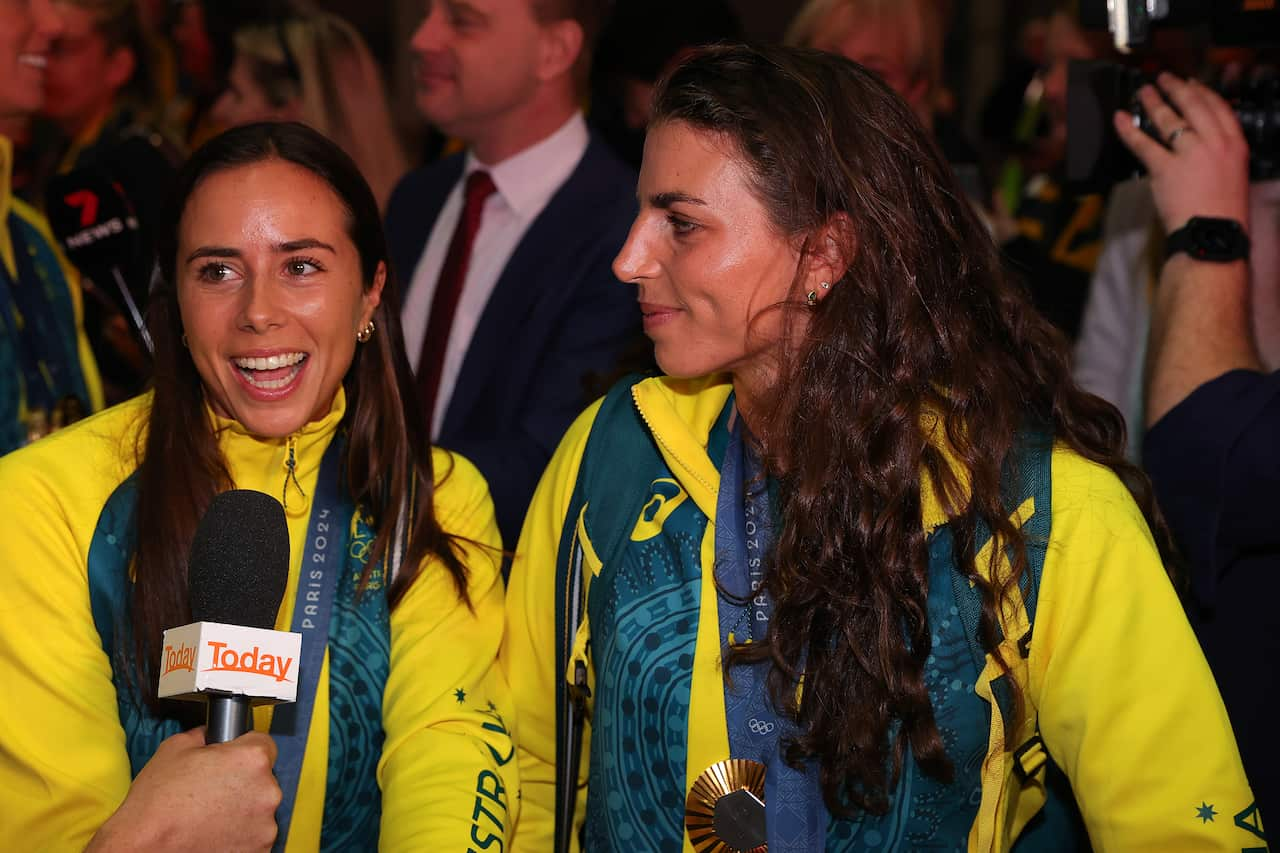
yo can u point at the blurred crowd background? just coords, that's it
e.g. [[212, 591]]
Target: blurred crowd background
[[133, 85]]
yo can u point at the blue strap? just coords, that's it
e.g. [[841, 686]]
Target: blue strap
[[619, 449], [796, 816], [322, 561]]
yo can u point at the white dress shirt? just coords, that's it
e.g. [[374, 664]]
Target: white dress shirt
[[525, 184]]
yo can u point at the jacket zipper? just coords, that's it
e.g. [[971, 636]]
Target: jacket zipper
[[291, 473], [635, 398]]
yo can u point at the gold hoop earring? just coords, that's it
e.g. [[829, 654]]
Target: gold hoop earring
[[811, 298], [367, 332]]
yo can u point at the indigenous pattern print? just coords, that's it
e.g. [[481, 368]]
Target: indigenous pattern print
[[644, 617], [359, 663]]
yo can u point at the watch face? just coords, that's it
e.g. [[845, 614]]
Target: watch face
[[1216, 240]]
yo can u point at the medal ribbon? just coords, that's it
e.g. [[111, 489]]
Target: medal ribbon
[[796, 816], [323, 558]]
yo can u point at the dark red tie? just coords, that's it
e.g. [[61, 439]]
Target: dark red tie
[[449, 288]]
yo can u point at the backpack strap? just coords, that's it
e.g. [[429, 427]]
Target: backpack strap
[[619, 454], [1028, 474]]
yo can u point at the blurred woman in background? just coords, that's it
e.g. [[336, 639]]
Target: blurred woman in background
[[315, 68]]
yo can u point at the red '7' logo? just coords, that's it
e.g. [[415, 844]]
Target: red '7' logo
[[87, 202]]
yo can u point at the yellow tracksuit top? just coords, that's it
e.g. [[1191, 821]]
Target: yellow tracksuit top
[[1127, 705], [63, 765]]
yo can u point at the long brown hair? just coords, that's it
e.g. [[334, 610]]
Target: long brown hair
[[387, 462], [921, 327]]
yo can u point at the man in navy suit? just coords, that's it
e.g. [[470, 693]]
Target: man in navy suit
[[505, 249]]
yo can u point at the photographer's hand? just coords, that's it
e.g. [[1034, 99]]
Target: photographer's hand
[[1200, 316], [1203, 167]]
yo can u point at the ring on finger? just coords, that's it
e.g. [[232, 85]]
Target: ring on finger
[[1177, 131]]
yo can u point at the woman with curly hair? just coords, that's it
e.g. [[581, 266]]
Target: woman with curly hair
[[864, 569]]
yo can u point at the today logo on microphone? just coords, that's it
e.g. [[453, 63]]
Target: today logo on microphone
[[227, 659], [208, 657], [183, 657]]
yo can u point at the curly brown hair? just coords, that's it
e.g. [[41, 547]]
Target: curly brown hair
[[923, 328]]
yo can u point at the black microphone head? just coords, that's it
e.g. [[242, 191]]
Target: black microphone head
[[93, 220], [239, 560]]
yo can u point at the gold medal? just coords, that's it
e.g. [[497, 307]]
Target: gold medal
[[724, 812]]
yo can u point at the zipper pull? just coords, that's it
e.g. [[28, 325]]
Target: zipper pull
[[291, 473]]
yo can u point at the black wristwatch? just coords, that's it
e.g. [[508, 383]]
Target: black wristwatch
[[1208, 238]]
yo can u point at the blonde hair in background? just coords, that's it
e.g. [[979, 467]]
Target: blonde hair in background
[[824, 24], [329, 70]]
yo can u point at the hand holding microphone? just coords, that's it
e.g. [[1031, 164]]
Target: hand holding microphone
[[193, 796], [222, 795]]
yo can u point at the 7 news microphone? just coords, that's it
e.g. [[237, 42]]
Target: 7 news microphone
[[97, 227], [230, 656]]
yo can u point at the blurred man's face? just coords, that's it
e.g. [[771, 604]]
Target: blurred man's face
[[26, 29], [1064, 42], [84, 74], [475, 63]]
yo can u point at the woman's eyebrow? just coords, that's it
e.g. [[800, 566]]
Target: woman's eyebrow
[[213, 252], [305, 243], [665, 200]]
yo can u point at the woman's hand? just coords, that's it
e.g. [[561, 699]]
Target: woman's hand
[[1203, 167], [189, 795]]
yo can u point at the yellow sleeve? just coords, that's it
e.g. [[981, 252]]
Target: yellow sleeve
[[63, 765], [529, 647], [447, 772], [1128, 706]]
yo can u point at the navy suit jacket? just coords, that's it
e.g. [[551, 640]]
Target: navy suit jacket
[[557, 314]]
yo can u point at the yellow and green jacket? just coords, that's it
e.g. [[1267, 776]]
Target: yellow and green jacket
[[441, 752], [48, 280], [1123, 699]]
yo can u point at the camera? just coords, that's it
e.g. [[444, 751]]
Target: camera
[[1095, 89], [1247, 23]]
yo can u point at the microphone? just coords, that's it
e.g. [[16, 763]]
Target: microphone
[[230, 656], [97, 227]]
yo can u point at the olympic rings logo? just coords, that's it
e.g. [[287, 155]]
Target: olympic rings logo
[[761, 727]]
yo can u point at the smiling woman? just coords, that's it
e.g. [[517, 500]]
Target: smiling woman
[[280, 368], [271, 294], [864, 570]]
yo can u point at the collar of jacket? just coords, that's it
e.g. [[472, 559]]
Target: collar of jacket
[[680, 414], [285, 468]]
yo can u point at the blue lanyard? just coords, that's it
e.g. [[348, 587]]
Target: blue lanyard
[[323, 558], [796, 817]]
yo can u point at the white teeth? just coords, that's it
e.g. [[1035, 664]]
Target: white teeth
[[272, 384], [35, 60], [274, 362]]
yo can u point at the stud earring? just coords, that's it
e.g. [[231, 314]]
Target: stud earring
[[826, 285], [811, 298], [367, 332]]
